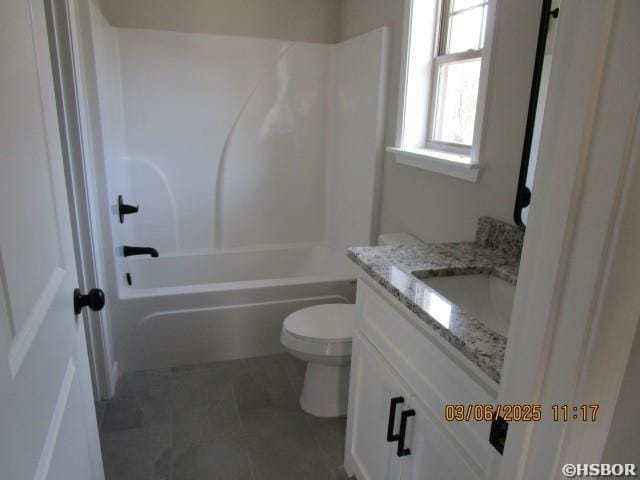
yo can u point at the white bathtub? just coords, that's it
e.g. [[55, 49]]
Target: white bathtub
[[188, 309]]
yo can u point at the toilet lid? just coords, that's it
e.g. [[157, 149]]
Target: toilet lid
[[330, 322]]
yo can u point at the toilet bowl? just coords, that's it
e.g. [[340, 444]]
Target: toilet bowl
[[322, 336]]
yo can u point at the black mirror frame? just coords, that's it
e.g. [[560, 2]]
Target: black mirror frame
[[523, 195]]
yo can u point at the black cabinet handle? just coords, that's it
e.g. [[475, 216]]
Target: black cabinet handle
[[403, 452], [392, 418], [498, 434]]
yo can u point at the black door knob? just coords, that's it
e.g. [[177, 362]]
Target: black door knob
[[94, 300]]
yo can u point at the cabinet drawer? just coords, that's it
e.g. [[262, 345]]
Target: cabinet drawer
[[436, 373]]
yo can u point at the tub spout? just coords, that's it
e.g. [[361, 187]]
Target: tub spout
[[129, 251]]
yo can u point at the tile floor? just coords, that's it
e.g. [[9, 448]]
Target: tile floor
[[232, 420]]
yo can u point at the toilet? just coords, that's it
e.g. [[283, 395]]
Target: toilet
[[321, 336]]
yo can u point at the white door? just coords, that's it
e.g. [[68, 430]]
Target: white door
[[373, 387], [48, 426], [434, 454]]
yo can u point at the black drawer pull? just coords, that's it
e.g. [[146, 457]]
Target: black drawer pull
[[403, 452], [392, 418]]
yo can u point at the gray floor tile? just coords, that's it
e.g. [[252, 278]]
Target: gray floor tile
[[341, 474], [234, 420], [142, 399], [216, 460], [330, 435], [200, 388], [282, 446], [280, 423], [230, 367], [140, 454], [101, 407], [201, 425], [149, 384], [190, 368], [122, 414], [286, 460], [264, 384], [296, 370]]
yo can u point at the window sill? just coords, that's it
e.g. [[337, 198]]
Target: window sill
[[445, 163]]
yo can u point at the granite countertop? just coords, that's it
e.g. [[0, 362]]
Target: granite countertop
[[399, 269]]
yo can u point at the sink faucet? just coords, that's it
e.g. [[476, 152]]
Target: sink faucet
[[129, 251]]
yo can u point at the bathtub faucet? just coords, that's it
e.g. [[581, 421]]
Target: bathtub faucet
[[129, 251]]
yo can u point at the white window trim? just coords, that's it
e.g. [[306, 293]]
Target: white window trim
[[439, 161], [460, 162]]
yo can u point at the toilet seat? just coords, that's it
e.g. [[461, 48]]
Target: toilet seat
[[320, 330]]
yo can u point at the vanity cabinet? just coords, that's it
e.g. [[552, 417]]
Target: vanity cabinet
[[433, 455], [402, 374], [374, 386]]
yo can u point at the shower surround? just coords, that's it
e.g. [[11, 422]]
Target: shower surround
[[230, 145]]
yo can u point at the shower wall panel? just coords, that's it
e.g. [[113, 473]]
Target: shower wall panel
[[223, 138], [229, 142]]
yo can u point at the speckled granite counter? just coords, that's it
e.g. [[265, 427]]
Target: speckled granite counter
[[399, 269]]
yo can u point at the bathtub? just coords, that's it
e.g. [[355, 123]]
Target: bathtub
[[190, 309]]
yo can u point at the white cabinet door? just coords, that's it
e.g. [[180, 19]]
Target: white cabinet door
[[48, 425], [435, 455], [373, 387]]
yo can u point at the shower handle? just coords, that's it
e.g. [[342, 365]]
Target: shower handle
[[125, 209]]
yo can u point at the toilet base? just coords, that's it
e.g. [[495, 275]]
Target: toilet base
[[325, 391]]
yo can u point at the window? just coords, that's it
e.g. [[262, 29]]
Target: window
[[443, 85], [456, 70]]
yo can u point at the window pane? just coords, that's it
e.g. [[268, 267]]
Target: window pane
[[456, 100], [465, 30], [462, 4]]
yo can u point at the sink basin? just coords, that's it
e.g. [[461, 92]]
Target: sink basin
[[487, 298]]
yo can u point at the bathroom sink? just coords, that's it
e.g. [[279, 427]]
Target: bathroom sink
[[487, 298]]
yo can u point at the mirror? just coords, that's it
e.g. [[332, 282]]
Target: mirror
[[537, 101]]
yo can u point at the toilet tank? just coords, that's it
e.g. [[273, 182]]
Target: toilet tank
[[399, 238]]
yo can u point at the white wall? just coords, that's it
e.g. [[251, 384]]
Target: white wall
[[439, 208], [295, 20]]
